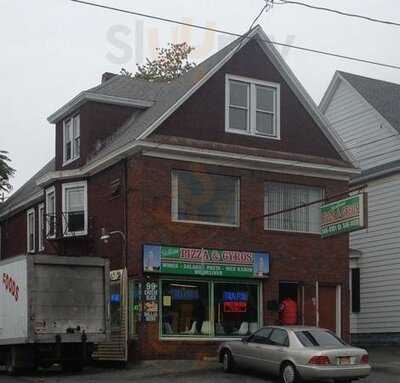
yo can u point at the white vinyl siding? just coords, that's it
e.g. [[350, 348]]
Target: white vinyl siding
[[280, 197], [380, 262], [30, 231], [358, 124]]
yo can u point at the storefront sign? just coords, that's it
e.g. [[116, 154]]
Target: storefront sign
[[151, 302], [343, 216], [205, 262]]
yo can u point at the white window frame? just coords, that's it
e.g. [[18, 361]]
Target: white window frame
[[65, 187], [41, 226], [175, 202], [49, 191], [28, 232], [74, 156], [252, 108], [266, 228]]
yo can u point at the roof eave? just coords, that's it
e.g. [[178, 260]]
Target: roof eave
[[86, 96]]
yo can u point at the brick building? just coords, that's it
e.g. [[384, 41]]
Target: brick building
[[178, 183]]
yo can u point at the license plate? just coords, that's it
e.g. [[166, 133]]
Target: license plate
[[344, 360]]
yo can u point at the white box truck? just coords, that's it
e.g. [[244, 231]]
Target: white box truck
[[52, 310]]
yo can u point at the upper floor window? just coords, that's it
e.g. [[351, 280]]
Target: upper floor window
[[282, 198], [30, 228], [75, 212], [72, 138], [205, 198], [252, 107], [41, 220], [51, 212]]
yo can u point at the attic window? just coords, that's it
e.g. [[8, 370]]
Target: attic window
[[252, 107], [71, 139]]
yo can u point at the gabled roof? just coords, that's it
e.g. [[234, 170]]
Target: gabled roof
[[383, 96], [173, 94], [30, 191]]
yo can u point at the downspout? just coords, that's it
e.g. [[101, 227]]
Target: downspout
[[125, 209]]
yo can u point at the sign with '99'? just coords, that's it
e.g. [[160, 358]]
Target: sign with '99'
[[11, 286]]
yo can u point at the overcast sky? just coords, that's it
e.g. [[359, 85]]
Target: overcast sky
[[53, 49]]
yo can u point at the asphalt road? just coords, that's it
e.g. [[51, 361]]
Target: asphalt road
[[177, 372]]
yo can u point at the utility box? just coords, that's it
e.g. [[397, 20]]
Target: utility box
[[52, 310]]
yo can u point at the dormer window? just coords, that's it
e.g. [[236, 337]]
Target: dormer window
[[252, 107], [72, 139]]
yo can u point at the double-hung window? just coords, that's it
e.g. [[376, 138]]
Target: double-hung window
[[51, 212], [205, 198], [282, 202], [41, 221], [30, 228], [72, 138], [75, 214], [252, 107]]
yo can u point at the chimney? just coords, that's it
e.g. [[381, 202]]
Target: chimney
[[107, 76]]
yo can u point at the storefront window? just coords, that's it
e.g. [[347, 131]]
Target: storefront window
[[185, 308], [134, 307], [235, 309], [214, 309]]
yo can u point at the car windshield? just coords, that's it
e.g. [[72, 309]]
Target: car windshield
[[319, 338]]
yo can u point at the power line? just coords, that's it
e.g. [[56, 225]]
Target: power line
[[266, 7], [355, 15], [202, 27]]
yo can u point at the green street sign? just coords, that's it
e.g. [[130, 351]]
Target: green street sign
[[343, 216], [205, 262]]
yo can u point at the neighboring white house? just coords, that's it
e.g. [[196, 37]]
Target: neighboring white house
[[365, 113]]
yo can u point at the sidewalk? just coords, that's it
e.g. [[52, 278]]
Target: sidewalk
[[385, 359]]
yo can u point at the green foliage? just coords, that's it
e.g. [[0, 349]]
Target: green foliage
[[6, 172], [170, 63]]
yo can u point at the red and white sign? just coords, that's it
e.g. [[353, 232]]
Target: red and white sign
[[11, 286]]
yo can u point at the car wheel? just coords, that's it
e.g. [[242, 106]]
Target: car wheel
[[227, 361], [289, 373]]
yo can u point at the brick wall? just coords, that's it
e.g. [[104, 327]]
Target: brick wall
[[304, 258]]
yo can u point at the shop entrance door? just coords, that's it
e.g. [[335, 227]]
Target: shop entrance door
[[117, 348], [327, 307]]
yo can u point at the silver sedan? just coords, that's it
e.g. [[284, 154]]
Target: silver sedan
[[297, 353]]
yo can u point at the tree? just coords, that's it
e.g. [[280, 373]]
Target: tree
[[170, 63], [6, 172]]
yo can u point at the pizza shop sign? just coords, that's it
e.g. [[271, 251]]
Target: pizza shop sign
[[343, 216]]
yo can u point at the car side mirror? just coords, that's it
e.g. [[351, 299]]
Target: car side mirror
[[245, 339]]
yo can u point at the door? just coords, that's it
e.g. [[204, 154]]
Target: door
[[327, 307], [117, 348]]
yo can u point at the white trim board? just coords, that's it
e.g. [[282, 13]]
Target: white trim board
[[85, 96]]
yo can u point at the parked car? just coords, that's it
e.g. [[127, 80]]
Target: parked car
[[296, 353]]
